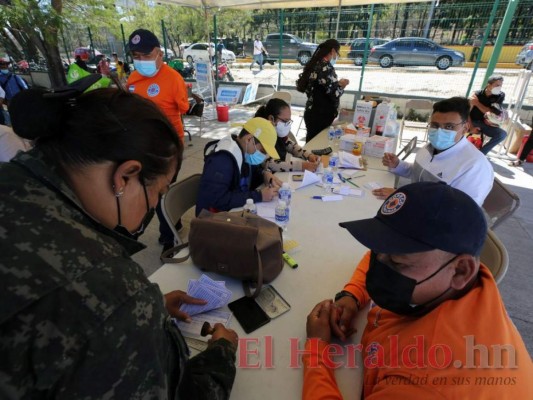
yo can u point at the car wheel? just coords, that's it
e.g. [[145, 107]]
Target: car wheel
[[358, 60], [189, 59], [304, 57], [444, 63], [386, 61]]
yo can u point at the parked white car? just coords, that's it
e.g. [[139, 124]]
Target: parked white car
[[202, 52]]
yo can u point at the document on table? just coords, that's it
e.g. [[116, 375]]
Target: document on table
[[308, 179], [348, 160], [267, 210], [214, 292]]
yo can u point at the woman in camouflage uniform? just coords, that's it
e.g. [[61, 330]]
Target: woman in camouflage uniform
[[79, 319]]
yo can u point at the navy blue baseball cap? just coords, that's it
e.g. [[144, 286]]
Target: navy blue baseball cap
[[143, 41], [423, 216]]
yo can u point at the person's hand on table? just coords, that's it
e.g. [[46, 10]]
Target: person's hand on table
[[344, 82], [390, 160], [310, 166], [343, 317], [271, 180], [268, 193], [174, 300], [221, 332], [313, 158], [318, 321], [383, 193]]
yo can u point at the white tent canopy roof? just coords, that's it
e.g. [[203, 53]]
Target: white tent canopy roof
[[253, 4]]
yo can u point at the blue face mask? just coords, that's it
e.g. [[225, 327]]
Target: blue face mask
[[441, 139], [333, 61], [145, 68], [255, 158], [4, 71]]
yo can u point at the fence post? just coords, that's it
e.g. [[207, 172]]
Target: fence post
[[500, 40], [368, 30], [483, 43]]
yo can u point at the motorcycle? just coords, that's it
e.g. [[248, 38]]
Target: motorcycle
[[223, 72]]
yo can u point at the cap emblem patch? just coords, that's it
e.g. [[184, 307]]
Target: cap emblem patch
[[393, 204]]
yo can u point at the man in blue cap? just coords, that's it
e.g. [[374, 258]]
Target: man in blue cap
[[156, 81], [437, 326]]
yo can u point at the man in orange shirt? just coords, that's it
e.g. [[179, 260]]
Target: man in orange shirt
[[156, 81], [437, 326]]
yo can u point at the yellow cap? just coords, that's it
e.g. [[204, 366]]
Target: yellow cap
[[263, 131]]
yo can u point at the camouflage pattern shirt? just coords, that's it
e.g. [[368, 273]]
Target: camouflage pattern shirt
[[78, 318]]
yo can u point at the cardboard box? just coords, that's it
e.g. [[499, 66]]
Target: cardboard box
[[347, 142], [363, 112], [376, 146], [381, 118], [351, 129]]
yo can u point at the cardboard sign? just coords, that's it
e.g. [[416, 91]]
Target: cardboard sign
[[250, 93], [228, 94]]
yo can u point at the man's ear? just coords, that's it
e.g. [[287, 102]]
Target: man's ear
[[466, 267], [123, 174]]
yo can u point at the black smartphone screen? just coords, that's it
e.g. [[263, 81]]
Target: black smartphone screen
[[248, 313]]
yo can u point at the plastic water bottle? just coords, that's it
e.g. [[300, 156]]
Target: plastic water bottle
[[250, 207], [334, 161], [282, 215], [331, 135], [285, 193], [338, 134], [327, 180]]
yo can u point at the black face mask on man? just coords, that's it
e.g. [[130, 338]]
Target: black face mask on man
[[144, 223], [393, 291]]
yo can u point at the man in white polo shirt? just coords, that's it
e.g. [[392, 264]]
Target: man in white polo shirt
[[448, 157], [258, 53]]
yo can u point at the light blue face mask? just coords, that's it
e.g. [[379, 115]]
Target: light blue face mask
[[441, 139], [146, 68], [255, 158], [4, 71], [333, 61]]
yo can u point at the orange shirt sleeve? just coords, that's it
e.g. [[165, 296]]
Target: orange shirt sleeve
[[319, 380], [357, 285], [182, 99]]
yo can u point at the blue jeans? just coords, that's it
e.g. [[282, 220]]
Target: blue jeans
[[258, 58], [496, 135]]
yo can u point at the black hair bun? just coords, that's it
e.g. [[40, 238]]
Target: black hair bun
[[33, 116]]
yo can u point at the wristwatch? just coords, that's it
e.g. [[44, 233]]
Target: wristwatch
[[345, 293]]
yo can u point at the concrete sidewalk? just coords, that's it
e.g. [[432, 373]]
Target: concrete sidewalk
[[516, 232]]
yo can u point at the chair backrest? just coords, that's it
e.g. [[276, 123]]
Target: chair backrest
[[500, 203], [419, 104], [181, 196], [283, 95], [494, 255], [408, 148]]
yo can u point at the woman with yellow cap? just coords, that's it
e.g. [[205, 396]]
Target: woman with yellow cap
[[232, 170]]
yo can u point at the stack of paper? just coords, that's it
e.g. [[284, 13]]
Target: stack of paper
[[348, 160], [214, 292]]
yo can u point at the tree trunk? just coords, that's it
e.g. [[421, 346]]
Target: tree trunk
[[405, 18]]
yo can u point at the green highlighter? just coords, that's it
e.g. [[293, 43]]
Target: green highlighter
[[289, 260]]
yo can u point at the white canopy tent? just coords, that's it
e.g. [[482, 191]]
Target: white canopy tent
[[253, 4]]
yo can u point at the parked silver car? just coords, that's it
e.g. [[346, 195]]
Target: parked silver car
[[525, 56], [415, 51]]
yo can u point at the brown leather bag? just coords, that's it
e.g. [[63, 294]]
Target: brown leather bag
[[241, 246]]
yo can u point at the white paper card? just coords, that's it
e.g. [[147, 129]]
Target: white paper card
[[373, 185], [332, 197], [348, 191], [309, 179]]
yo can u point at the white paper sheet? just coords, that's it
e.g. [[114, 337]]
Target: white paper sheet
[[310, 178], [348, 160]]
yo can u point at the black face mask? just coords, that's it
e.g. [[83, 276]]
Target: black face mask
[[393, 291], [144, 223]]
